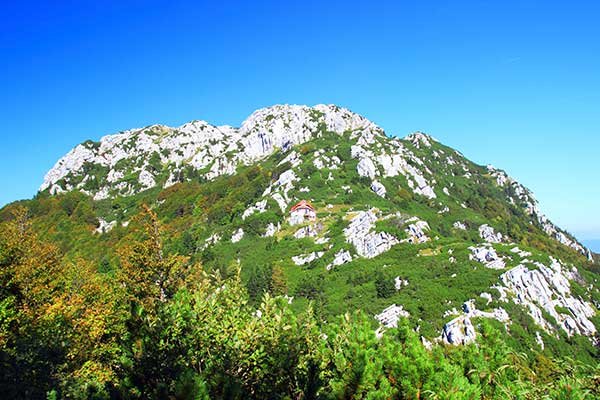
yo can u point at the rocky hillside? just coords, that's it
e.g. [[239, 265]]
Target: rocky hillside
[[403, 228], [135, 160]]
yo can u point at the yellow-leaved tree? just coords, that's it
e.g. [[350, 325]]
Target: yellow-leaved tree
[[147, 274]]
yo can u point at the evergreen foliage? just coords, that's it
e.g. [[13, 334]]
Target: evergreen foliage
[[155, 331]]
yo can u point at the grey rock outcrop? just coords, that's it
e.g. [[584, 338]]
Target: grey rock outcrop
[[307, 259], [237, 236], [459, 331], [341, 257], [548, 288], [378, 188], [367, 242], [488, 234], [487, 255], [390, 316]]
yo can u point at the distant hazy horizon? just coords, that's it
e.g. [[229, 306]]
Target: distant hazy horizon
[[592, 244]]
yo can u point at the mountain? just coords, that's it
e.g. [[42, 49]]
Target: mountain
[[140, 159], [402, 227]]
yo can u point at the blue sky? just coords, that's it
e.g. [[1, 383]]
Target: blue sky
[[515, 84]]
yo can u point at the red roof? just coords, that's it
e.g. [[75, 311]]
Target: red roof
[[302, 204]]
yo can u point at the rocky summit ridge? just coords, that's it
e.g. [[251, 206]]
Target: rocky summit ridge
[[214, 150], [380, 201]]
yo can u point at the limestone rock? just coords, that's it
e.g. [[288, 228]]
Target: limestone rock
[[293, 158], [259, 207], [367, 168], [378, 188], [237, 235], [419, 139], [416, 232], [307, 259], [520, 253], [460, 225], [211, 240], [539, 340], [368, 244], [271, 230], [104, 226], [459, 331], [307, 231], [322, 240], [487, 297], [548, 288], [341, 257], [220, 149], [390, 316], [488, 234], [501, 178], [399, 283], [471, 311], [161, 155], [396, 164], [487, 255]]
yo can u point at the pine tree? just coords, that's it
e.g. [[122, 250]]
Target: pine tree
[[259, 282], [278, 281], [384, 285]]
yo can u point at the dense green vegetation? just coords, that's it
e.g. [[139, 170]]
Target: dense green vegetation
[[157, 325], [164, 305]]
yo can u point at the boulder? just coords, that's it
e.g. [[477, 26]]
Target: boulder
[[390, 316], [341, 257], [104, 226], [460, 225], [487, 255], [271, 230], [487, 297], [459, 331], [237, 235], [488, 234], [368, 243], [378, 188], [399, 283], [416, 232], [306, 259], [520, 253]]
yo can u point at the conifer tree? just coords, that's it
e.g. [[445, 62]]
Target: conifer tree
[[278, 281]]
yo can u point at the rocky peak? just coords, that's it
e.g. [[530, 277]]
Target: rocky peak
[[281, 126], [420, 139]]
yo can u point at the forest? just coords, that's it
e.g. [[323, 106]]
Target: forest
[[160, 326]]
